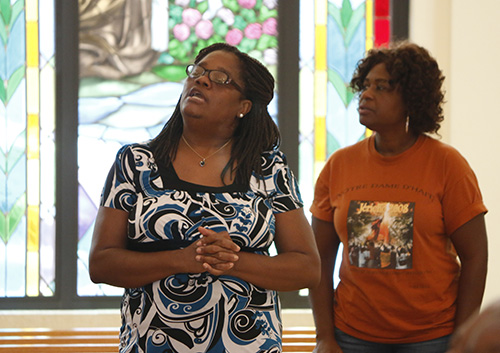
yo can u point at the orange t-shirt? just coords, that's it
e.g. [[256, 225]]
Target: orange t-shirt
[[401, 210]]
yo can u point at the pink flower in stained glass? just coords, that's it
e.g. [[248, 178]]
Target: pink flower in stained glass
[[234, 36], [270, 26], [204, 29], [181, 31], [253, 31], [191, 17], [247, 4]]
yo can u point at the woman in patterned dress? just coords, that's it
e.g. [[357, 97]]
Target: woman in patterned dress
[[187, 219]]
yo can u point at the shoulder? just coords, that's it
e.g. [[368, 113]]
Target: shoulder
[[136, 156], [273, 158], [444, 152], [135, 150]]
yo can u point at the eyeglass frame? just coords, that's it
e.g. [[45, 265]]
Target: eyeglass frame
[[228, 81]]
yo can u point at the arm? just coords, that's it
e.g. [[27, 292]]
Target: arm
[[321, 297], [471, 244], [110, 262], [296, 265]]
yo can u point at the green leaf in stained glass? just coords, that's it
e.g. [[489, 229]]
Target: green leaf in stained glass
[[14, 81], [3, 32], [265, 13], [17, 8], [202, 6], [248, 15], [266, 41], [170, 73], [175, 13], [14, 216], [16, 153], [231, 5], [331, 144], [246, 45], [176, 49], [5, 11], [357, 18], [3, 93], [220, 27], [3, 228], [239, 23], [334, 11], [346, 13], [340, 86], [200, 44]]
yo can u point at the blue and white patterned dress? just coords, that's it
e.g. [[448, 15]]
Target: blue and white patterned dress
[[198, 312]]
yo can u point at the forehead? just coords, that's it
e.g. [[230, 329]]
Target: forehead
[[220, 59], [378, 71]]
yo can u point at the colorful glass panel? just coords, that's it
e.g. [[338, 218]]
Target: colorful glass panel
[[125, 97], [27, 227], [334, 36]]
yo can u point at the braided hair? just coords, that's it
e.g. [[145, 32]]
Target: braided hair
[[255, 133]]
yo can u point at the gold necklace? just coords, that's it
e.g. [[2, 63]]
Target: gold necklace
[[203, 159]]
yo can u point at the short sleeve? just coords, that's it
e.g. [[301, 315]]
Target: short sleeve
[[280, 184], [119, 190], [462, 198], [321, 207]]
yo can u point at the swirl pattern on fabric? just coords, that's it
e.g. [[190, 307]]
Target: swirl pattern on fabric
[[190, 312]]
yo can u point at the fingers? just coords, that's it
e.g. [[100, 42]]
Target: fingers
[[221, 240], [216, 251]]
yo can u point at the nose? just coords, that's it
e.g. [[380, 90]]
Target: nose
[[366, 93], [203, 80]]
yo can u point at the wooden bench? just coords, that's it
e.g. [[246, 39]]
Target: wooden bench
[[103, 340]]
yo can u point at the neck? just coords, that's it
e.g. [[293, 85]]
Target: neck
[[395, 144]]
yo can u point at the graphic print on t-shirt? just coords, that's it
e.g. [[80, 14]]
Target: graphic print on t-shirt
[[380, 234]]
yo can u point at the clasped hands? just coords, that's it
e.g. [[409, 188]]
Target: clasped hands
[[216, 251]]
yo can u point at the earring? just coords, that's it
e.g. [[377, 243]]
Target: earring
[[242, 115], [407, 123]]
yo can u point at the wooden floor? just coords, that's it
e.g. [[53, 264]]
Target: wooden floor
[[102, 340]]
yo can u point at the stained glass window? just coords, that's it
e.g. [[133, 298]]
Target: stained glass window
[[334, 36], [27, 148], [132, 67]]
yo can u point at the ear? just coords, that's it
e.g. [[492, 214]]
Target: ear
[[245, 107]]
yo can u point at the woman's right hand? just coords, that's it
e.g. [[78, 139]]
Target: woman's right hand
[[327, 346], [216, 251]]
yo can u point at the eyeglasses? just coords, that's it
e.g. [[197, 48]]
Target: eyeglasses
[[219, 77]]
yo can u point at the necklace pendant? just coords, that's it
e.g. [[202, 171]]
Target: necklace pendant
[[202, 163]]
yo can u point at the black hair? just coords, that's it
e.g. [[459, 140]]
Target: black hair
[[417, 75]]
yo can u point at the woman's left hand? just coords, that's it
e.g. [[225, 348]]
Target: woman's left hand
[[216, 251]]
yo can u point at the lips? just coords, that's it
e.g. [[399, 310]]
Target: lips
[[196, 93], [363, 109]]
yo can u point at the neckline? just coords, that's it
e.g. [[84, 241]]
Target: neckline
[[373, 151], [172, 181]]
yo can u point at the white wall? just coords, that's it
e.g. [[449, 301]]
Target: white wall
[[463, 35]]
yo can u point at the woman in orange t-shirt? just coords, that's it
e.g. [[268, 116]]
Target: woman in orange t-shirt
[[414, 202]]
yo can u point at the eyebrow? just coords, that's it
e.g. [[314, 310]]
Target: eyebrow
[[218, 68], [379, 80]]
